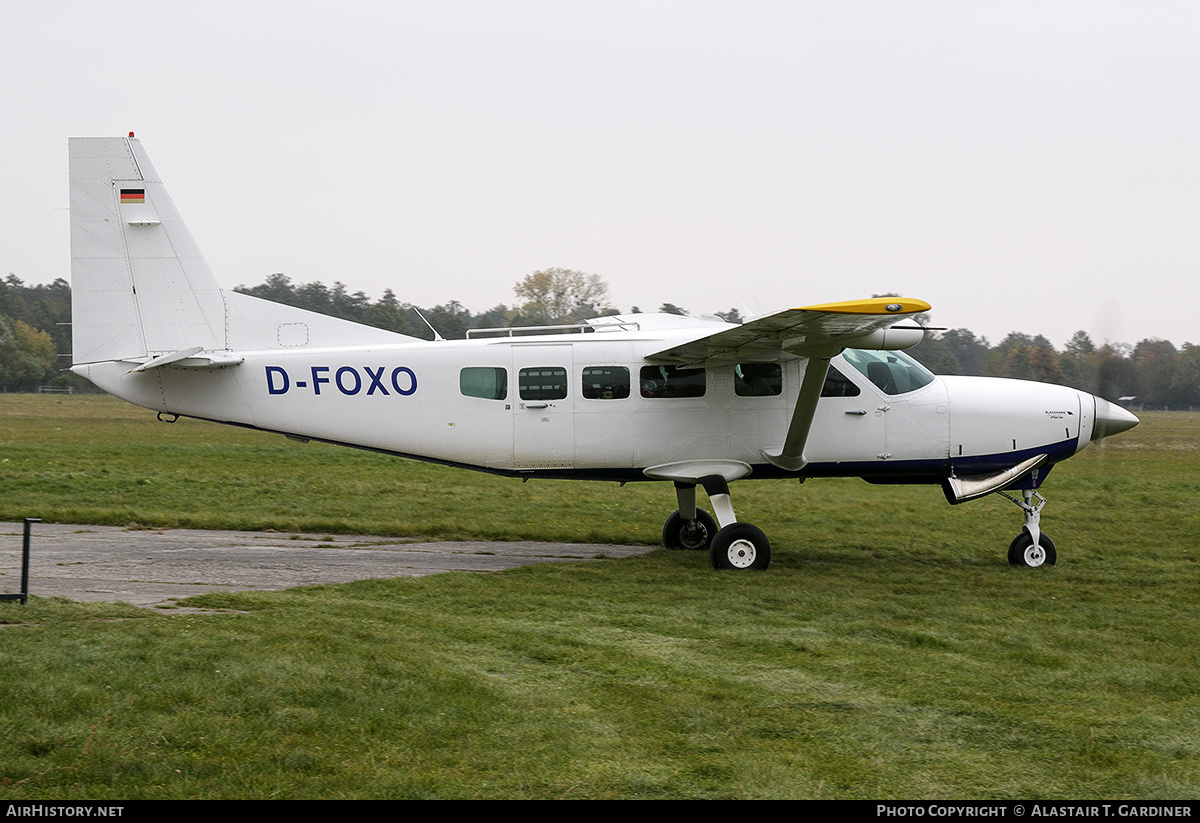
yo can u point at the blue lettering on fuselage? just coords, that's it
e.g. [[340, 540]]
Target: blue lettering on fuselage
[[348, 380]]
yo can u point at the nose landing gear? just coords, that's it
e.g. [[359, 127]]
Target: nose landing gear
[[1031, 549]]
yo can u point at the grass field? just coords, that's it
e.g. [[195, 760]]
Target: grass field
[[889, 651]]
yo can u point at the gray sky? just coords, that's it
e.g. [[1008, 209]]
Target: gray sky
[[1030, 166]]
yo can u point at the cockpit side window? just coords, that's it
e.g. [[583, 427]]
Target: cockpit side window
[[838, 385], [893, 372]]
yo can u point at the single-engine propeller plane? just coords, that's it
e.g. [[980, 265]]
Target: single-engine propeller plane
[[819, 391]]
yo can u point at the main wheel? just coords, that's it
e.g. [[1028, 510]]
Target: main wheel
[[689, 534], [740, 546], [1022, 552]]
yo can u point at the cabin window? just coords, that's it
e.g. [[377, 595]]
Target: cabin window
[[758, 379], [606, 382], [671, 381], [892, 371], [542, 383], [483, 381], [838, 385]]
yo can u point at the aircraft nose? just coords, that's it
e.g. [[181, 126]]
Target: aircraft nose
[[1111, 419]]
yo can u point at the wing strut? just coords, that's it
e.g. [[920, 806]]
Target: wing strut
[[791, 456]]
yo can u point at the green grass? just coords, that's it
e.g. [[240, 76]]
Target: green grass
[[889, 652]]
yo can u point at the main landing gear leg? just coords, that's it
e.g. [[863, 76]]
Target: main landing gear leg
[[736, 545], [689, 527], [1031, 548]]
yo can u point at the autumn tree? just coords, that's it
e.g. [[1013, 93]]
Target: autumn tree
[[46, 308], [1043, 364], [561, 296], [26, 356], [1015, 357]]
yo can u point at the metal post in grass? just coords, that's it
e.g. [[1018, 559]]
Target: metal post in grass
[[23, 596]]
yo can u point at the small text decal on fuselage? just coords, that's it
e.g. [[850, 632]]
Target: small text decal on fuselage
[[347, 380]]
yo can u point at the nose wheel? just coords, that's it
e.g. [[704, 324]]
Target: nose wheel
[[1031, 549], [1024, 552]]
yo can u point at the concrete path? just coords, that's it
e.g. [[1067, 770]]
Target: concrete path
[[154, 567]]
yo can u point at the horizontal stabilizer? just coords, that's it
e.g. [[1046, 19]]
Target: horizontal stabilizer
[[193, 358]]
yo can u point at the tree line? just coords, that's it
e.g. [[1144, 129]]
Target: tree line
[[35, 332], [34, 329]]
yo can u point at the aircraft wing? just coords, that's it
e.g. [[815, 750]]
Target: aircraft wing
[[818, 333], [802, 332]]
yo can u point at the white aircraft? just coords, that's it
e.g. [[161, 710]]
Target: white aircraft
[[821, 391]]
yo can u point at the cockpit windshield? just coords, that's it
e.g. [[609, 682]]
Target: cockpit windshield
[[894, 372]]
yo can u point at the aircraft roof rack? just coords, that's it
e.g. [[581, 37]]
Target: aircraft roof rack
[[580, 328]]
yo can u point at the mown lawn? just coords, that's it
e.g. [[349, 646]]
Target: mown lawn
[[889, 651]]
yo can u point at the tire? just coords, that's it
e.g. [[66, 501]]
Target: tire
[[696, 535], [740, 546], [1022, 552]]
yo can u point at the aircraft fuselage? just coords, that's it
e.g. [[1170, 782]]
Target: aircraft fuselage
[[580, 406]]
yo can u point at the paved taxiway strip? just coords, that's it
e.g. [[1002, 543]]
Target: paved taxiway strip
[[154, 567]]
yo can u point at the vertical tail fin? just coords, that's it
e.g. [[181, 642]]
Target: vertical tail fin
[[139, 285]]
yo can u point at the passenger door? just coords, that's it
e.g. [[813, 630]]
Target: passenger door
[[543, 409]]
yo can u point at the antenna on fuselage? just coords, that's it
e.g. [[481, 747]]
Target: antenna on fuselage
[[436, 336]]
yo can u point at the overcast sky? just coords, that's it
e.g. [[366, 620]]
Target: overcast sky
[[1021, 166]]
